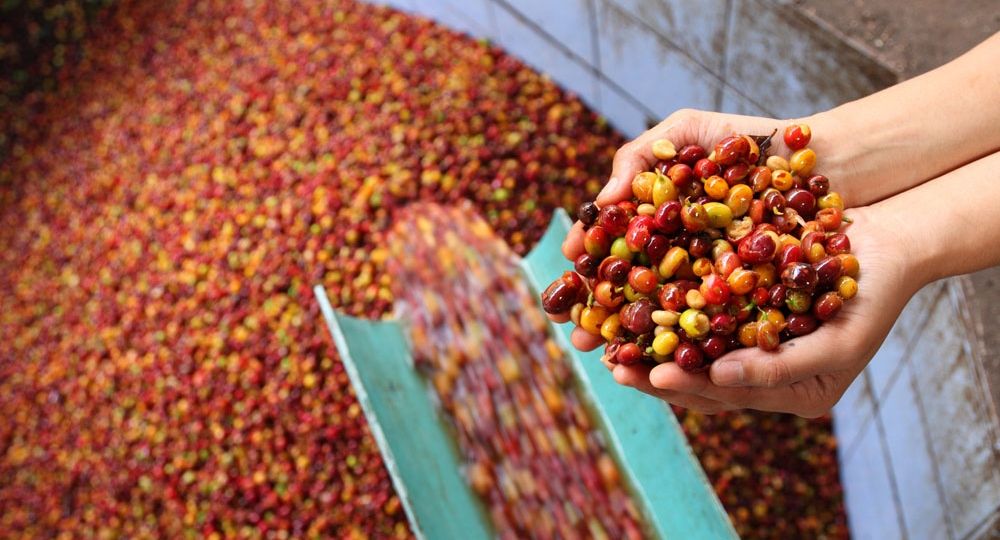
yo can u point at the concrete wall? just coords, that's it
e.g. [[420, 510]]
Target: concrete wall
[[918, 429]]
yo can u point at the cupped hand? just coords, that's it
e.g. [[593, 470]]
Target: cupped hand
[[806, 375], [684, 127]]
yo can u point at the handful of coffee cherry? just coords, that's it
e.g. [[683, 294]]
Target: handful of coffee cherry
[[715, 251]]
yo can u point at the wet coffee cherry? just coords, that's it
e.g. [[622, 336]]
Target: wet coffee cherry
[[628, 354], [613, 219], [586, 265], [587, 213], [690, 358], [827, 306], [799, 276], [714, 346], [800, 324], [562, 293], [797, 136], [637, 317]]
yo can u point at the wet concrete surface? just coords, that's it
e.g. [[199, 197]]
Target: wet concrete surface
[[910, 37]]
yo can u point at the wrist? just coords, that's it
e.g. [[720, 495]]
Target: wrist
[[841, 154]]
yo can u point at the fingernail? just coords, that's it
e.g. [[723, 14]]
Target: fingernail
[[728, 373], [610, 187]]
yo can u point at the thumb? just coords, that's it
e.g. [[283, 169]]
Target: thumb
[[629, 161], [797, 360]]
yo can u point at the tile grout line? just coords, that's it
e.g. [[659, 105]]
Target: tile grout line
[[720, 90], [595, 50], [908, 350], [690, 58], [922, 416], [890, 382], [514, 12], [890, 472]]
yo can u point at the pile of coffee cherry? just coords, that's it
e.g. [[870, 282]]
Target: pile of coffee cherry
[[715, 251]]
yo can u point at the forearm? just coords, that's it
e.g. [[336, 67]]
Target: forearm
[[951, 224], [900, 137]]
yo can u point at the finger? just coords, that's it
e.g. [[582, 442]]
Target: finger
[[585, 341], [796, 360], [670, 378], [572, 246], [630, 160], [638, 377], [558, 317]]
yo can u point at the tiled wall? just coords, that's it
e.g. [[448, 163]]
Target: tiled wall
[[918, 442], [918, 435], [636, 61]]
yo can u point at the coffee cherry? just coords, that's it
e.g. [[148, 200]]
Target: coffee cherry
[[607, 295], [591, 319], [714, 346], [642, 186], [642, 280], [742, 281], [613, 219], [639, 232], [798, 301], [672, 261], [586, 265], [699, 246], [656, 248], [723, 324], [736, 173], [562, 293], [802, 161], [818, 185], [846, 287], [663, 149], [831, 200], [691, 154], [587, 213], [802, 201], [830, 218], [719, 215], [732, 150], [668, 217], [837, 244], [727, 263], [681, 175], [611, 327], [767, 336], [665, 343], [757, 248], [695, 323], [800, 324], [664, 190], [614, 270], [797, 136], [739, 199], [760, 178], [637, 317], [827, 271], [714, 289], [748, 334], [620, 249], [690, 358], [597, 242], [799, 276], [827, 306], [629, 354], [782, 180], [705, 168]]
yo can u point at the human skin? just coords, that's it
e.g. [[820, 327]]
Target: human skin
[[889, 155]]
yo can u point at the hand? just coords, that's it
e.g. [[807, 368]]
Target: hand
[[807, 375], [682, 128]]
